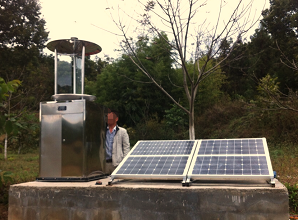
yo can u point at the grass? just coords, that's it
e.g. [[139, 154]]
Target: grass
[[284, 160], [25, 168]]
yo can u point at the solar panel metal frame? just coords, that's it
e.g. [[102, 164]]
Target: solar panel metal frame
[[183, 177], [268, 177]]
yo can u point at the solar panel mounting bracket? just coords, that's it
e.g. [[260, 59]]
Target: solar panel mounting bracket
[[186, 183], [110, 181], [272, 182]]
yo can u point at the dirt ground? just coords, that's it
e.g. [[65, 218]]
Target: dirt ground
[[3, 212]]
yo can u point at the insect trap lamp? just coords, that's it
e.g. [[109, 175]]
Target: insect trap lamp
[[72, 125]]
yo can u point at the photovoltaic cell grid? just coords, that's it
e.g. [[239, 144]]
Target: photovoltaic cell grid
[[231, 165], [231, 158], [241, 146], [154, 165], [163, 148], [156, 158]]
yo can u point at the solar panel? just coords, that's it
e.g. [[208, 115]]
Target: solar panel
[[157, 160], [215, 159], [233, 159]]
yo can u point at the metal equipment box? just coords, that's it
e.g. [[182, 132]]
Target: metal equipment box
[[72, 140]]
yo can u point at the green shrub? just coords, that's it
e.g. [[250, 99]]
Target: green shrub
[[293, 197], [152, 129], [6, 178]]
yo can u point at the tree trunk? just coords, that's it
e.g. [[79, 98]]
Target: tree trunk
[[191, 126], [19, 150], [5, 147]]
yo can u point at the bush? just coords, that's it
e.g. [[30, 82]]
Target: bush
[[6, 178], [27, 138], [219, 121], [293, 197], [152, 129], [233, 119]]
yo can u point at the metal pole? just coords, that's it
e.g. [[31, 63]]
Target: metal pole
[[83, 69], [55, 72], [74, 64], [74, 75]]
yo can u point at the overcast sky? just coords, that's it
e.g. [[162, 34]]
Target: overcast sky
[[91, 19]]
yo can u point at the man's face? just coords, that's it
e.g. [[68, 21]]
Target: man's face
[[112, 118]]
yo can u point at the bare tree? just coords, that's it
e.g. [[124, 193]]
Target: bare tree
[[194, 38]]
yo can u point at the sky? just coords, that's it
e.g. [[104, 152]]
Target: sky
[[92, 20]]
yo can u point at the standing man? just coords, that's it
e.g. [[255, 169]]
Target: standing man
[[117, 142]]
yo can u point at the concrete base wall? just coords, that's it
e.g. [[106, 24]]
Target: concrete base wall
[[129, 200]]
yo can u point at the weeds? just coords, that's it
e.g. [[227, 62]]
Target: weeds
[[29, 159], [17, 169], [284, 158], [293, 197], [6, 178]]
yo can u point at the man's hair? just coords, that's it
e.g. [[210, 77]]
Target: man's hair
[[115, 112]]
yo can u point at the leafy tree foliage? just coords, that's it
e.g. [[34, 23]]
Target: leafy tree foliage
[[245, 61], [275, 39], [7, 125], [21, 26], [27, 137], [93, 68], [175, 119], [8, 122], [210, 90], [281, 23], [121, 85], [261, 52], [281, 20], [22, 37]]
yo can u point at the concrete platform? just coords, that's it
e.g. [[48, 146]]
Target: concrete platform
[[132, 199]]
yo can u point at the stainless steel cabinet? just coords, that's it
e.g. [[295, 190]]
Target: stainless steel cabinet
[[72, 140]]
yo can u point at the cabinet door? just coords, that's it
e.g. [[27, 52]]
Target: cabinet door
[[50, 146], [72, 145]]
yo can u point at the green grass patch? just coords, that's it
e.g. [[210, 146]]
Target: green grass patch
[[25, 167], [284, 158], [18, 168]]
